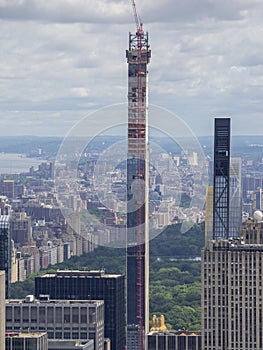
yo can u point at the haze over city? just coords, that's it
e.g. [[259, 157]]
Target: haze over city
[[62, 60]]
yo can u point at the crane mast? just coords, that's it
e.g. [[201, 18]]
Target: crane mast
[[138, 57]]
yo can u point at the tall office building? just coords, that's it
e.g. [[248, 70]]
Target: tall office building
[[5, 249], [235, 203], [221, 178], [232, 294], [235, 193], [232, 265], [9, 188], [138, 56], [21, 228], [2, 309], [87, 285], [75, 319], [258, 199]]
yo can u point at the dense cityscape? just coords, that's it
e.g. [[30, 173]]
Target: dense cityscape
[[41, 237], [142, 195]]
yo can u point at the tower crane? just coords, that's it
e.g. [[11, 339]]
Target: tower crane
[[137, 19]]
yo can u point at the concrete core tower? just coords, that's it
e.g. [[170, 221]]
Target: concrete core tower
[[138, 57]]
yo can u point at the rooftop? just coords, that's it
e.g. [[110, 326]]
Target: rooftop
[[80, 273], [25, 334], [176, 333], [55, 301]]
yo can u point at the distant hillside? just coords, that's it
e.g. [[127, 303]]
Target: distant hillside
[[245, 146], [29, 145]]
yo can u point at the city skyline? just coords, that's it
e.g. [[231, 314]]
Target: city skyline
[[62, 62]]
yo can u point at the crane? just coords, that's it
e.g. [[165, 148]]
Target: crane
[[137, 19]]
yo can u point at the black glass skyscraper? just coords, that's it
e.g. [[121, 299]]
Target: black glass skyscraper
[[5, 249], [221, 178], [88, 285]]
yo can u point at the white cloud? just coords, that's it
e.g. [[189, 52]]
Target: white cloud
[[92, 11], [67, 57]]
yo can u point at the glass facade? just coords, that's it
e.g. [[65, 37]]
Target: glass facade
[[221, 178]]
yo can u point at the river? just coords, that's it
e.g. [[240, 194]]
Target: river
[[15, 163]]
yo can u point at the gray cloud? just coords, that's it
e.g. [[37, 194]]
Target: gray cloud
[[65, 11], [110, 11], [61, 59]]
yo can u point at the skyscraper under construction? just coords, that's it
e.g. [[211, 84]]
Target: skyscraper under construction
[[138, 56]]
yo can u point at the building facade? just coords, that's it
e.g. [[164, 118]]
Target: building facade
[[232, 295], [86, 285], [209, 215], [26, 341], [257, 200], [21, 228], [235, 204], [235, 193], [80, 320], [174, 341], [9, 188], [5, 249], [2, 309], [221, 198]]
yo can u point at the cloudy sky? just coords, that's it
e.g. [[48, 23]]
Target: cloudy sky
[[63, 59]]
